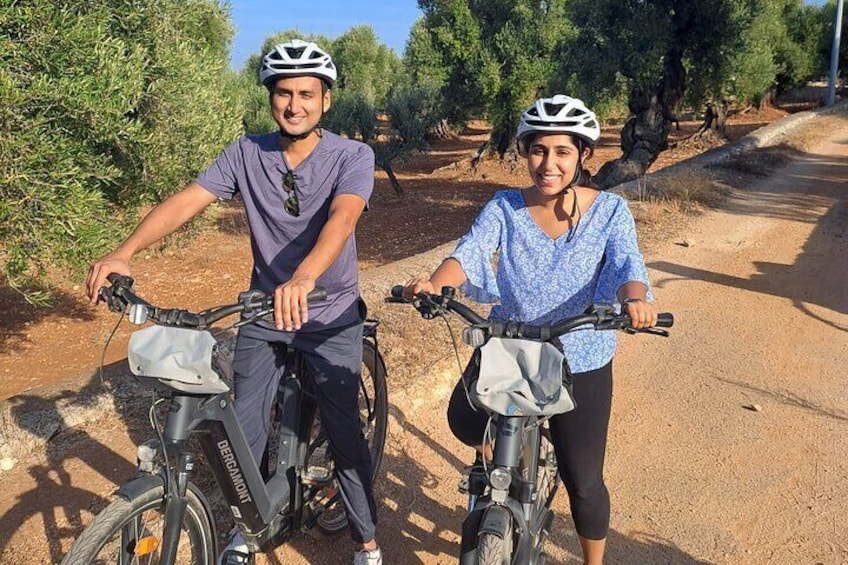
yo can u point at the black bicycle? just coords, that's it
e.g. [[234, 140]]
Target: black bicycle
[[509, 498], [160, 516]]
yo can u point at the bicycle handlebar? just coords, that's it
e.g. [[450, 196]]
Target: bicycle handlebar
[[253, 303], [599, 316]]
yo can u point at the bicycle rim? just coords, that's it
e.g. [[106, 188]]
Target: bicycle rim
[[130, 532], [547, 480]]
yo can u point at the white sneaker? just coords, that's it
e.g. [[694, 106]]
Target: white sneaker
[[236, 552], [368, 557]]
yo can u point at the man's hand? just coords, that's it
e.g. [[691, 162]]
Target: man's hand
[[290, 307], [102, 268]]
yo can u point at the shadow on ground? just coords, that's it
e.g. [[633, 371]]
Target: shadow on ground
[[18, 314], [416, 526], [815, 277]]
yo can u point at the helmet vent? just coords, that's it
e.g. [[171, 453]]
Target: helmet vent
[[575, 112], [295, 52], [553, 109]]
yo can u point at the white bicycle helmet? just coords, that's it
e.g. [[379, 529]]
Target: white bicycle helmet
[[560, 114], [297, 58]]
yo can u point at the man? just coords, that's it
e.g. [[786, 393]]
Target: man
[[303, 189]]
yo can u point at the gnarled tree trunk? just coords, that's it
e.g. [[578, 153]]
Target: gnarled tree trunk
[[645, 135], [442, 130]]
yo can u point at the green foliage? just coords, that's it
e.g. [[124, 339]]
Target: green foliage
[[822, 20], [637, 40], [107, 105], [472, 76], [413, 112], [352, 114], [775, 55], [741, 47], [365, 65], [423, 64], [497, 55]]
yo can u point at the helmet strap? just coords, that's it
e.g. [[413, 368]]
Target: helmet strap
[[298, 137], [578, 176], [575, 212]]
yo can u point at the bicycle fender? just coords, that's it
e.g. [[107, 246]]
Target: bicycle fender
[[139, 485], [496, 521]]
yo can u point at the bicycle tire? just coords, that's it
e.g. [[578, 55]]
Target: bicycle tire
[[373, 397], [547, 474], [493, 550], [124, 518]]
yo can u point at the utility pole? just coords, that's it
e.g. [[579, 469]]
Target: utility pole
[[834, 54]]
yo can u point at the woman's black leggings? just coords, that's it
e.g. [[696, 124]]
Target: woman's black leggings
[[580, 441]]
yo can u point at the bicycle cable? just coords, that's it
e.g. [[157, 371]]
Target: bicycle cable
[[103, 354], [445, 313], [154, 422]]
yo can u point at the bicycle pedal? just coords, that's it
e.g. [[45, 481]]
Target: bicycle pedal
[[463, 484], [315, 475]]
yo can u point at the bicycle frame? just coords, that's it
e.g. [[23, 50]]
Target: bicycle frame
[[512, 506], [261, 509], [265, 511], [517, 444]]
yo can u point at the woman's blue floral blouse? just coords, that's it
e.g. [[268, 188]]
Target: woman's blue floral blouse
[[539, 280]]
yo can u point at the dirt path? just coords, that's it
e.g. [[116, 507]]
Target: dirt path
[[695, 477]]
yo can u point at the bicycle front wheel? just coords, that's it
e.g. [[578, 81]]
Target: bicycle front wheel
[[129, 531], [493, 550], [547, 478], [373, 418]]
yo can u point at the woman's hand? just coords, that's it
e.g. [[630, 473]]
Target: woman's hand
[[418, 284], [642, 313]]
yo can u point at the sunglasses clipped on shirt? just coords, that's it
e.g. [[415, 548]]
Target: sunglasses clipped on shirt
[[292, 204]]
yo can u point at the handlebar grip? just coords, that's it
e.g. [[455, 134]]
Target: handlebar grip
[[124, 280], [318, 293], [397, 291], [665, 320]]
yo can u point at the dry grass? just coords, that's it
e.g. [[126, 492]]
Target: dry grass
[[664, 205], [661, 206]]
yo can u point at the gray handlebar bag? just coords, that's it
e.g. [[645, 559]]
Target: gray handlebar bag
[[187, 360], [520, 377]]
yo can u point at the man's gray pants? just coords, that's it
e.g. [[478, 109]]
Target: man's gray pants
[[334, 360]]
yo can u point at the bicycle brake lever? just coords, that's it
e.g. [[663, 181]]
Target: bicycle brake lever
[[654, 331], [261, 314], [427, 308]]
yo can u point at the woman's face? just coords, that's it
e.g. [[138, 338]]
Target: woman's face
[[552, 159]]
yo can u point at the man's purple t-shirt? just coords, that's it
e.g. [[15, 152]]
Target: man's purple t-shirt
[[254, 166]]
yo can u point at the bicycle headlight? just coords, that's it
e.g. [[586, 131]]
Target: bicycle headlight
[[138, 314], [500, 479]]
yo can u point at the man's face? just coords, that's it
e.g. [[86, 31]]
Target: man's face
[[297, 104]]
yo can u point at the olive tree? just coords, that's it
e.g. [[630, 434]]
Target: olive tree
[[108, 105]]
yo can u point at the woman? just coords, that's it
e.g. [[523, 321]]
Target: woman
[[562, 245]]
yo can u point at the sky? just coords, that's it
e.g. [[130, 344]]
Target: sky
[[255, 20]]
